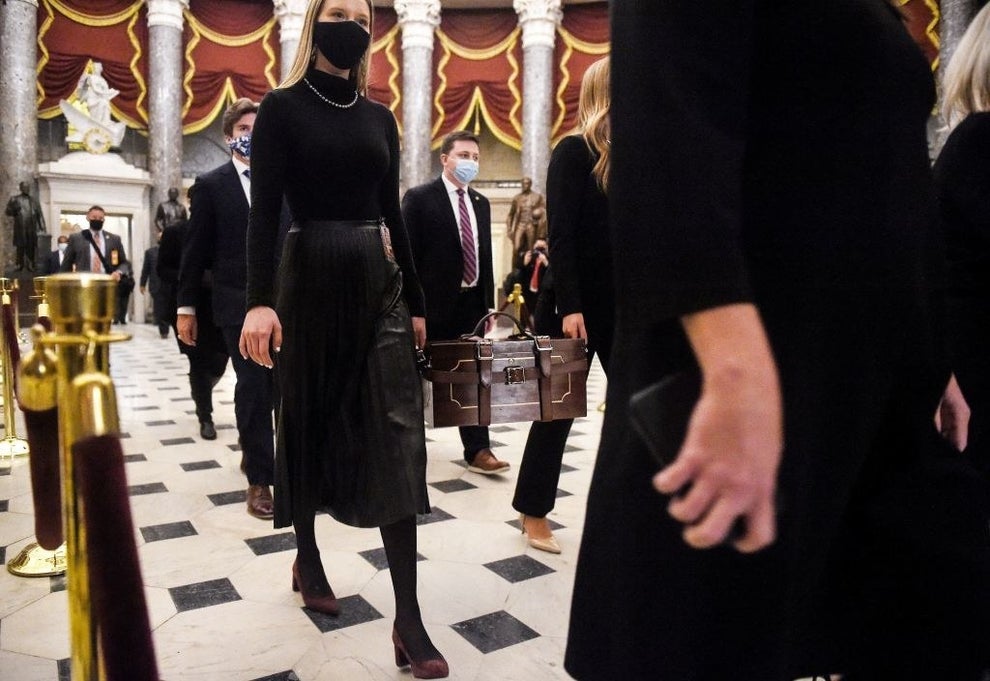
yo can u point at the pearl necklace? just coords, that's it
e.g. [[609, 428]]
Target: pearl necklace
[[331, 102]]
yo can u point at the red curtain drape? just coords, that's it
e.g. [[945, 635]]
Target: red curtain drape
[[477, 57]]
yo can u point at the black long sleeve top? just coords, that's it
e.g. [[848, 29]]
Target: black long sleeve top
[[330, 163]]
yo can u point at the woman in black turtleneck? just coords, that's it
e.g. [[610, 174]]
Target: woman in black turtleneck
[[337, 312]]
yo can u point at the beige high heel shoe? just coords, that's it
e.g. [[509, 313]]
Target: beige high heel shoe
[[548, 544]]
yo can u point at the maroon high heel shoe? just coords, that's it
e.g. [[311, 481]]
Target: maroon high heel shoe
[[325, 604], [425, 669]]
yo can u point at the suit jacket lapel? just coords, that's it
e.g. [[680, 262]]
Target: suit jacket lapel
[[236, 189], [444, 208]]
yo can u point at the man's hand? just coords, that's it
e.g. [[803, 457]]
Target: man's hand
[[186, 326], [573, 325], [952, 417]]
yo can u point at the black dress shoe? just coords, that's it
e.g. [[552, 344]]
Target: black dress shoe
[[207, 431]]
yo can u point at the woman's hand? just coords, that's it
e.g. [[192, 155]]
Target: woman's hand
[[419, 331], [261, 330], [734, 441]]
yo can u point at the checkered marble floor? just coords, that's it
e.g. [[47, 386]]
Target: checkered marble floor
[[217, 580]]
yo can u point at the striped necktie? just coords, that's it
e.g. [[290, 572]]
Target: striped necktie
[[467, 240]]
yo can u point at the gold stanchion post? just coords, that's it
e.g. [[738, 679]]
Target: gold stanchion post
[[11, 445]]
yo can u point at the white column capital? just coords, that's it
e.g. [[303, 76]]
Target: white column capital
[[539, 20], [418, 20], [33, 3], [290, 14], [166, 12]]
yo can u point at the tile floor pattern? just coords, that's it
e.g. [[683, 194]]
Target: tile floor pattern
[[217, 580]]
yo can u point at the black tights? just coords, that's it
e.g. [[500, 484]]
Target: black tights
[[399, 539]]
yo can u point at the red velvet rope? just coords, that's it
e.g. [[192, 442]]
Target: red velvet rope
[[10, 335], [46, 477], [116, 588]]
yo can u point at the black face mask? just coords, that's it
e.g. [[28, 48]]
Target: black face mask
[[96, 225], [343, 43]]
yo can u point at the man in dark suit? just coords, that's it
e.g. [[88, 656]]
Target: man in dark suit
[[217, 240], [450, 232], [83, 254], [152, 283], [208, 357], [53, 261]]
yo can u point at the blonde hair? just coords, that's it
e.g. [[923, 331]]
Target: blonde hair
[[593, 122], [306, 51], [966, 85]]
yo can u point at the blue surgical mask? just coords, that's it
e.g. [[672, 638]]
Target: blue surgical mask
[[465, 170], [62, 247], [241, 145]]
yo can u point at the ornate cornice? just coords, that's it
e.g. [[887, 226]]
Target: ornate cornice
[[290, 15], [166, 12], [418, 19], [539, 20]]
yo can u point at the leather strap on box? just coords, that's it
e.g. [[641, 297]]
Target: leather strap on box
[[485, 352], [543, 348]]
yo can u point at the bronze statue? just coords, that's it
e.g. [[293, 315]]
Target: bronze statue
[[28, 224], [527, 220], [170, 212]]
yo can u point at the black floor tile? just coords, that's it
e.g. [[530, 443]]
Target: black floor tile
[[227, 498], [5, 470], [169, 387], [134, 458], [3, 555], [494, 631], [234, 447], [561, 493], [163, 422], [4, 503], [353, 610], [519, 568], [203, 594], [447, 486], [378, 559], [147, 408], [500, 429], [57, 583], [124, 436], [168, 531], [225, 426], [182, 399], [515, 523], [435, 515], [177, 441], [564, 468], [572, 448], [65, 669], [273, 543], [150, 488], [281, 676], [199, 465]]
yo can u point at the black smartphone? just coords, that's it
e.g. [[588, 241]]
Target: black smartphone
[[659, 413]]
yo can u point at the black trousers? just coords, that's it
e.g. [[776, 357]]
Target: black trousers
[[469, 307], [539, 471], [254, 400]]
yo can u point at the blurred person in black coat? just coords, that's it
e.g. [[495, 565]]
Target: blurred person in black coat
[[771, 188]]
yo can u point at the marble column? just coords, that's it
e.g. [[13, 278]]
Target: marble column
[[418, 20], [539, 20], [955, 16], [290, 14], [165, 97], [19, 122]]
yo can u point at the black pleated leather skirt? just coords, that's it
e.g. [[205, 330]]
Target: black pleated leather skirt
[[351, 438]]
